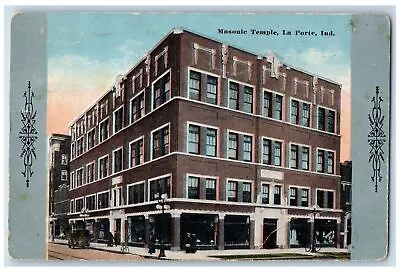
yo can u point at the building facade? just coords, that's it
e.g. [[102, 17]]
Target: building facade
[[345, 203], [243, 145], [59, 157]]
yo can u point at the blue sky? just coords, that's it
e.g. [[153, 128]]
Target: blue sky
[[86, 51], [122, 38]]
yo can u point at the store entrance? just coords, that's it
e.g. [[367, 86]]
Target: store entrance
[[269, 233]]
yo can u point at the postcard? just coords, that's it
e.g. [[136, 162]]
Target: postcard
[[199, 136]]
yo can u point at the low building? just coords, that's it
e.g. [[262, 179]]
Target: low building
[[59, 157]]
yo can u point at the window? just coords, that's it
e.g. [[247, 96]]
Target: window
[[193, 188], [267, 104], [248, 99], [136, 153], [72, 180], [320, 161], [103, 167], [233, 146], [157, 98], [160, 142], [278, 107], [294, 112], [80, 147], [91, 202], [90, 172], [202, 140], [246, 188], [136, 193], [293, 196], [194, 132], [194, 85], [271, 152], [117, 160], [331, 121], [211, 142], [293, 156], [321, 118], [326, 120], [306, 115], [117, 118], [159, 187], [325, 161], [117, 199], [330, 200], [71, 206], [320, 198], [330, 162], [325, 199], [266, 155], [304, 198], [212, 83], [265, 193], [137, 107], [278, 154], [247, 148], [211, 193], [232, 193], [79, 204], [305, 158], [73, 150], [91, 138], [277, 194], [103, 130], [161, 91], [103, 200], [233, 95], [64, 159], [79, 177], [64, 175]]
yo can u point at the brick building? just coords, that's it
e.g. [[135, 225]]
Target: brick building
[[59, 157], [243, 145]]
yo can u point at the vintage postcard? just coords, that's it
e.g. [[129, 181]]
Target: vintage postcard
[[199, 136]]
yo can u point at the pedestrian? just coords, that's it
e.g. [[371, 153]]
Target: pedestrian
[[110, 239], [152, 246], [188, 242], [116, 238]]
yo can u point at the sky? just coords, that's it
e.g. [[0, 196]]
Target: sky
[[86, 51]]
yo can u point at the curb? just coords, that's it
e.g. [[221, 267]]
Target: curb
[[117, 252]]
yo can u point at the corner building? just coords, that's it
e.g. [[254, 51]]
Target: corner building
[[243, 145]]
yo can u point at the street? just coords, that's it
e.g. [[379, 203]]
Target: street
[[62, 252]]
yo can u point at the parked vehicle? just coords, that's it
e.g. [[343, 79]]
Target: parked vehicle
[[79, 238]]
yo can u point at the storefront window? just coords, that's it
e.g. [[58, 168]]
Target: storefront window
[[136, 230]]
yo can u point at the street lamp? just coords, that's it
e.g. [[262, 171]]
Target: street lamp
[[53, 226], [314, 213], [162, 206], [84, 213]]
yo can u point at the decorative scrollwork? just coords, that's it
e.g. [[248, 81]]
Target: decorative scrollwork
[[376, 138], [28, 134]]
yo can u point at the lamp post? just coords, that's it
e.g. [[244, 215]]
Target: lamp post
[[53, 226], [314, 213], [84, 213], [162, 206]]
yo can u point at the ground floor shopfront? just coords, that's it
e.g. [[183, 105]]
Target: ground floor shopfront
[[263, 228]]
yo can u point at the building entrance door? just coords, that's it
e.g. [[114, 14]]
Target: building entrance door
[[269, 233], [117, 231]]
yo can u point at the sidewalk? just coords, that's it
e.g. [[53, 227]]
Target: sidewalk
[[200, 255]]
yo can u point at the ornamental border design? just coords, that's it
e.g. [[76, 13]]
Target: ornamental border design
[[376, 138], [28, 134]]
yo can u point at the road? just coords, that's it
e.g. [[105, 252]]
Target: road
[[62, 252]]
